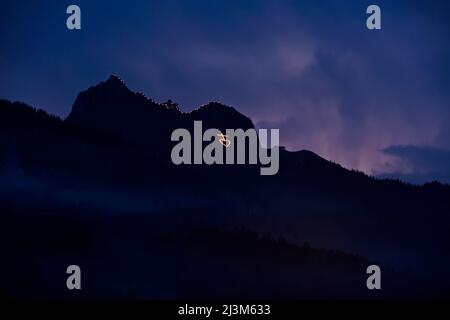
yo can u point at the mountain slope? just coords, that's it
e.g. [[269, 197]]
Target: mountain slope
[[112, 155]]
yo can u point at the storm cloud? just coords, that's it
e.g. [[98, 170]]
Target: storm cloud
[[420, 164]]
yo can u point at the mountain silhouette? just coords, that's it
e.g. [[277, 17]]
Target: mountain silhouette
[[101, 182], [111, 107]]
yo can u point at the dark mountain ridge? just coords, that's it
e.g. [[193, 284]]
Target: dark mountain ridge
[[111, 107], [112, 155], [112, 112]]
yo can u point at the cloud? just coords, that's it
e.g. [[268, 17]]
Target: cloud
[[443, 138], [419, 164]]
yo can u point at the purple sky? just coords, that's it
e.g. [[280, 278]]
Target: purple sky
[[377, 101]]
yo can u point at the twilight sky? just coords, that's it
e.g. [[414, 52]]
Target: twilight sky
[[377, 101]]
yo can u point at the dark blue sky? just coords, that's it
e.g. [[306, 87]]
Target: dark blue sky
[[378, 101]]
